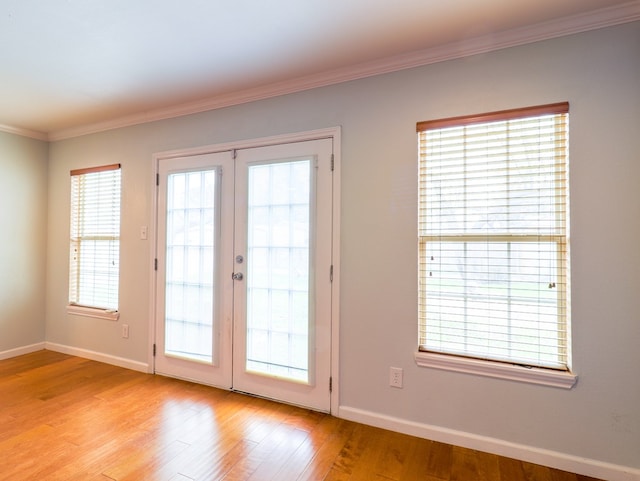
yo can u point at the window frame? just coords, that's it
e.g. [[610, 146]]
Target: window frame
[[74, 306], [496, 368]]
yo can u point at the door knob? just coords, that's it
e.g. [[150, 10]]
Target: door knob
[[237, 276]]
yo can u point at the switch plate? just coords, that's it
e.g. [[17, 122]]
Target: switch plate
[[143, 232], [125, 331]]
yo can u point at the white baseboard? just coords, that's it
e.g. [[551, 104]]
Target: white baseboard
[[22, 350], [552, 459], [98, 356]]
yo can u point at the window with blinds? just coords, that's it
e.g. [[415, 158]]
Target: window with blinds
[[493, 236], [94, 261]]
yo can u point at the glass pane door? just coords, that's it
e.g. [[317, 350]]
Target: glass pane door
[[243, 286], [282, 249], [278, 233], [194, 297], [190, 265]]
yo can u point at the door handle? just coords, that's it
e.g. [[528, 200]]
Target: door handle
[[237, 276]]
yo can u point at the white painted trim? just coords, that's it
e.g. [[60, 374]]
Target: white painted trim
[[332, 133], [606, 17], [499, 370], [98, 356], [19, 351], [335, 287], [545, 457], [95, 312], [153, 253], [34, 134]]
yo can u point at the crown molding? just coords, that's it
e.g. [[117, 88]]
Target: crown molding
[[606, 17], [34, 134]]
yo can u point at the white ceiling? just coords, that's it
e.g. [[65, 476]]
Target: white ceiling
[[72, 66]]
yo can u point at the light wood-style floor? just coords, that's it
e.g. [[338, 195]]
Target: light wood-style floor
[[68, 418]]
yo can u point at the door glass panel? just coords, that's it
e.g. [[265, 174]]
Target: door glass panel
[[190, 256], [278, 253]]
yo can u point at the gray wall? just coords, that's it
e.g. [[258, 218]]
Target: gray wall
[[597, 72], [23, 234]]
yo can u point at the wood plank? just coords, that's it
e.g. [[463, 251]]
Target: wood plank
[[488, 466], [307, 451], [416, 467], [70, 419], [371, 461], [336, 433], [440, 461], [464, 464], [350, 455], [534, 472]]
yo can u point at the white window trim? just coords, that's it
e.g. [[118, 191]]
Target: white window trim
[[497, 370], [88, 310], [479, 365], [98, 313]]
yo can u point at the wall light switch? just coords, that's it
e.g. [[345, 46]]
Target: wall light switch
[[143, 232]]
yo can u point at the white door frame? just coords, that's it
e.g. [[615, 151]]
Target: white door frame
[[333, 133]]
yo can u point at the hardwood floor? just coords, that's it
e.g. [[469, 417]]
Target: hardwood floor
[[67, 418]]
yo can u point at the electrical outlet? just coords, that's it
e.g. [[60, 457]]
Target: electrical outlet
[[125, 331], [395, 377]]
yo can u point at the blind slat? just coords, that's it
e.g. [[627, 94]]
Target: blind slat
[[95, 237], [492, 221]]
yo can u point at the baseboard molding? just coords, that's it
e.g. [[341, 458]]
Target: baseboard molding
[[552, 459], [98, 356], [22, 350]]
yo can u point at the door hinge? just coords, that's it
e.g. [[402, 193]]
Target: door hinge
[[332, 162], [234, 154], [155, 264], [158, 179], [330, 384], [331, 273], [154, 350]]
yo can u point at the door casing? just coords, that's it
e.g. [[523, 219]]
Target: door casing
[[333, 133]]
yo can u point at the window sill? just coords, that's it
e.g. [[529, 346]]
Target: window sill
[[93, 312], [498, 370]]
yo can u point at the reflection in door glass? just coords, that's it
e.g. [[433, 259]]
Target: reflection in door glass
[[190, 290], [278, 269]]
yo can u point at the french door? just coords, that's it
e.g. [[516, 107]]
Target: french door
[[243, 288]]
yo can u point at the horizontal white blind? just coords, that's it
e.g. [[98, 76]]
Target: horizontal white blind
[[493, 274], [94, 261]]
